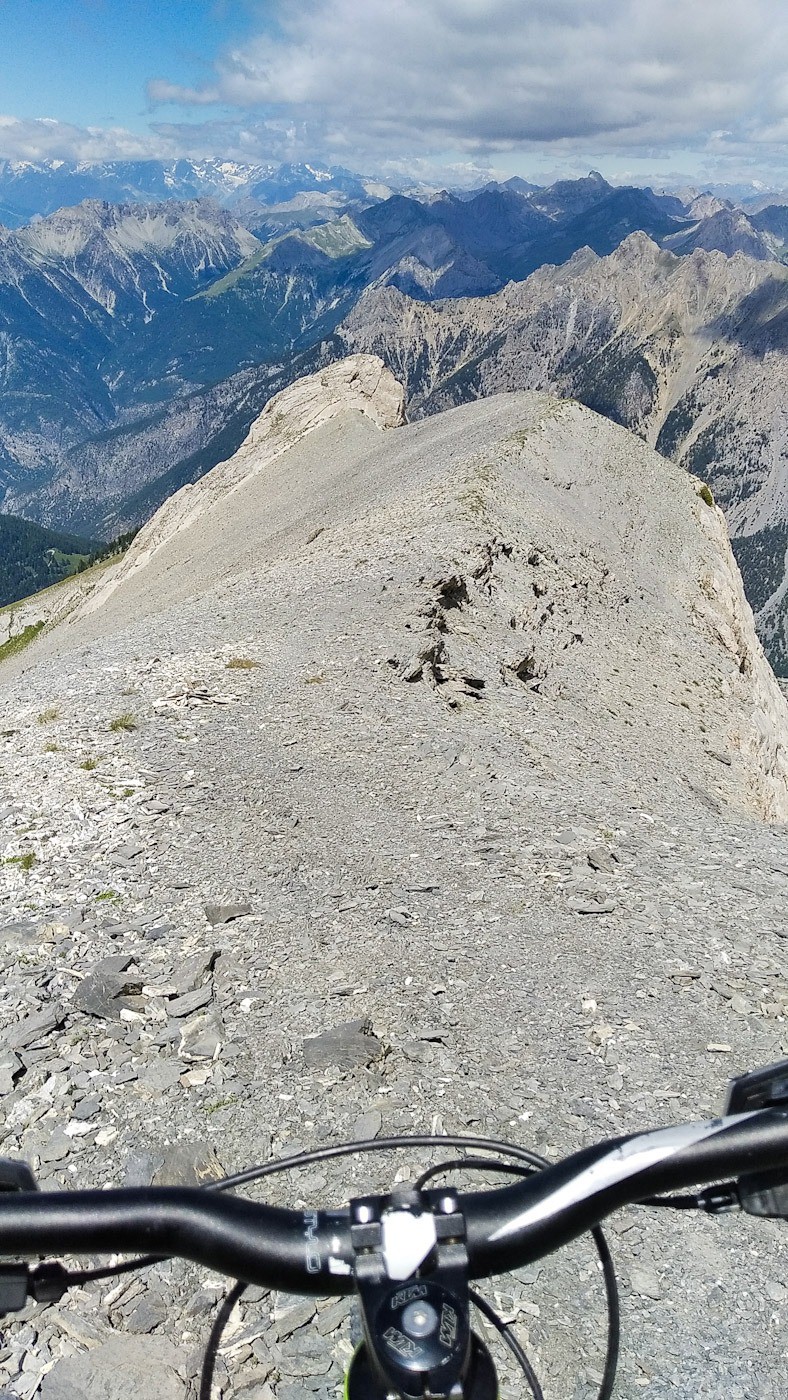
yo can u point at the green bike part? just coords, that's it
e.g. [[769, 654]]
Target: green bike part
[[360, 1384]]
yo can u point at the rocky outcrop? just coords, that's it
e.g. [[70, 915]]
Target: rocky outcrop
[[688, 352]]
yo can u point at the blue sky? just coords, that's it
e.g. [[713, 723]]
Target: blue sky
[[648, 90], [88, 62]]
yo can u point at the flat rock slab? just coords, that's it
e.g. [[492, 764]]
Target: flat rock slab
[[34, 1028], [102, 992], [347, 1046], [592, 906], [202, 1037], [20, 934], [223, 913], [190, 1001], [187, 1164], [124, 1366], [600, 858]]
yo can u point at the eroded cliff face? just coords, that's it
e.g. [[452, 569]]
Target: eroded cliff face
[[721, 610]]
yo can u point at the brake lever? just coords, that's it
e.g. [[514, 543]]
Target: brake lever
[[765, 1194], [45, 1284]]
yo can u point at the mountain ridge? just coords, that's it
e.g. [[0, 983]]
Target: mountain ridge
[[687, 352], [462, 730]]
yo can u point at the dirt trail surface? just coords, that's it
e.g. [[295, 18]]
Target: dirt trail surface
[[455, 735]]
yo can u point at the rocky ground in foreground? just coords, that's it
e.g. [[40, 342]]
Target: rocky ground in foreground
[[235, 819]]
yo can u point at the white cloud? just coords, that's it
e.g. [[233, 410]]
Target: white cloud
[[387, 79], [425, 88], [44, 138], [160, 92]]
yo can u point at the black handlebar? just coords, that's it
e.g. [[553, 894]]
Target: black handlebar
[[311, 1253], [522, 1223]]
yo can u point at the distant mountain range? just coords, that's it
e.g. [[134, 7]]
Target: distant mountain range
[[29, 190], [76, 290], [139, 341], [118, 321]]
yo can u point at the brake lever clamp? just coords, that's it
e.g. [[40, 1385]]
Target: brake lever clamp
[[411, 1273], [15, 1278]]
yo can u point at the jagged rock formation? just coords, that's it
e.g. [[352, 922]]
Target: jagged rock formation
[[690, 353], [727, 231]]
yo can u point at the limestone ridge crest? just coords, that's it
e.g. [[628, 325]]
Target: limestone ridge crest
[[357, 384]]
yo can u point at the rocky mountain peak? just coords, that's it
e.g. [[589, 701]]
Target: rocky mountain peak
[[726, 230], [133, 228]]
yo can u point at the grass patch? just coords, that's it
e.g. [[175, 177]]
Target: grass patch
[[52, 747], [89, 764], [705, 494], [240, 663], [124, 721], [221, 1103], [106, 895], [21, 640], [25, 862], [47, 716]]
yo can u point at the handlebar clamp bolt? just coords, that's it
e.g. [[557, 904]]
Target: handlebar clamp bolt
[[419, 1319]]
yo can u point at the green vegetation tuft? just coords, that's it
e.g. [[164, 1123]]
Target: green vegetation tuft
[[21, 640], [48, 715], [124, 721], [25, 862], [705, 494], [106, 895], [338, 239], [229, 280], [240, 663], [52, 747], [221, 1103], [89, 764]]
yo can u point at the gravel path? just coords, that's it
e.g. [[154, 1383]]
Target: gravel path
[[327, 763]]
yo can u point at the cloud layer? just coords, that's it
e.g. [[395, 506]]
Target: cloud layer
[[398, 86], [388, 77]]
